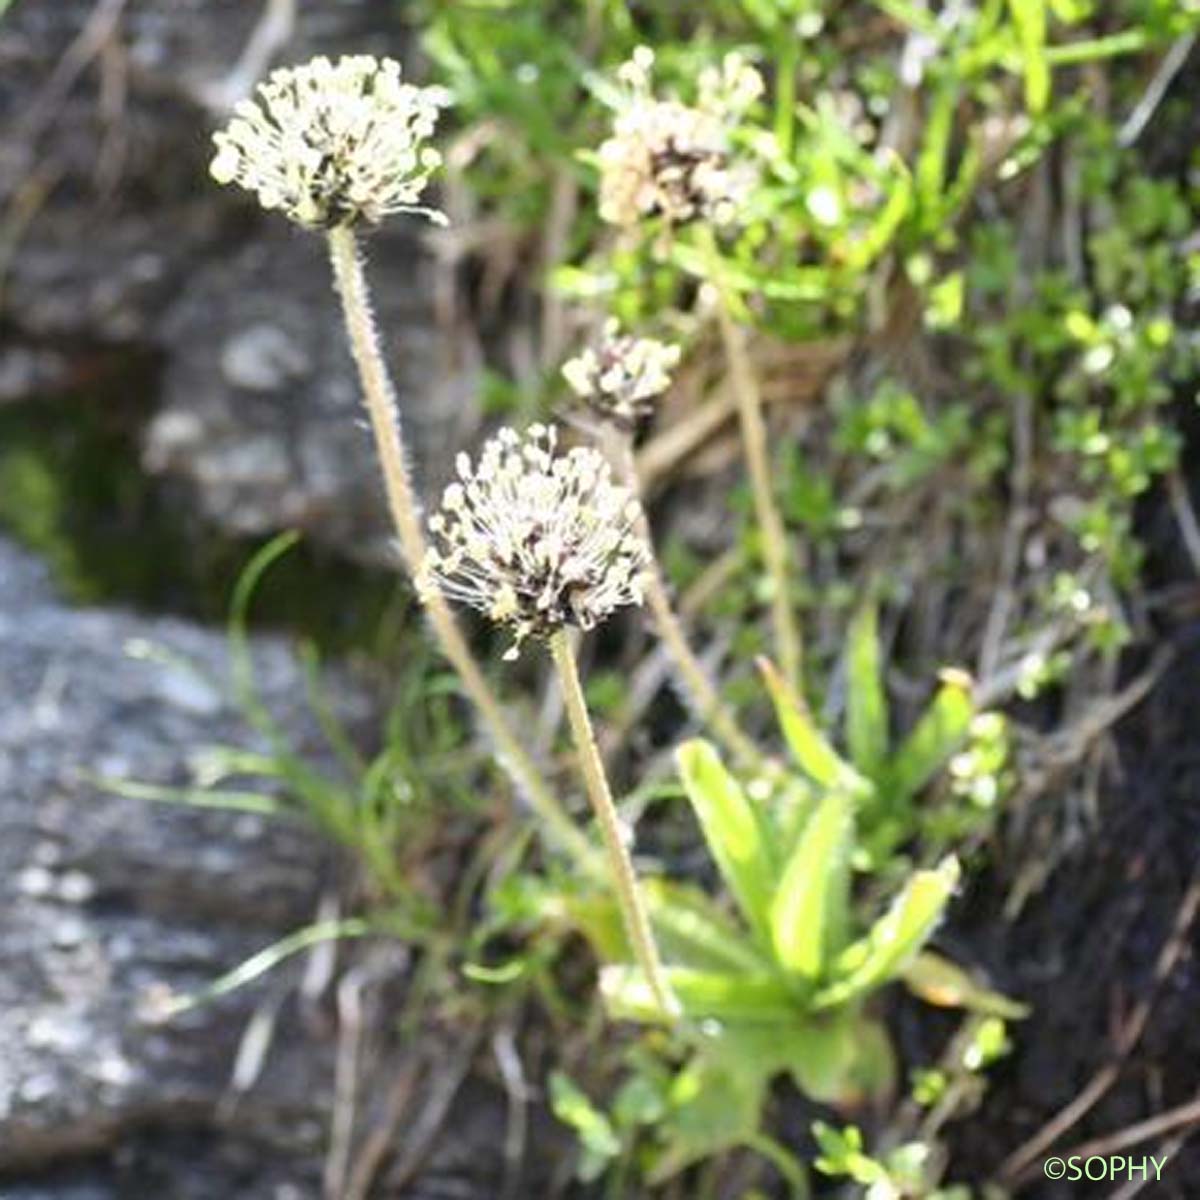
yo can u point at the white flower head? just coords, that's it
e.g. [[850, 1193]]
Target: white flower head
[[621, 376], [537, 539], [669, 159], [333, 144]]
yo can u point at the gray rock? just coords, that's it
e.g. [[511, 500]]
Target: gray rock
[[107, 902], [129, 241], [109, 905], [260, 409]]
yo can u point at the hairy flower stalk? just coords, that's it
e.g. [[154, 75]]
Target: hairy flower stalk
[[619, 379], [676, 163], [539, 541], [335, 146], [754, 444]]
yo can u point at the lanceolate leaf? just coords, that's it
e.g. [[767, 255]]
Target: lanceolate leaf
[[895, 938], [808, 914], [693, 932], [815, 756], [731, 828], [938, 735], [866, 702], [702, 995], [937, 980]]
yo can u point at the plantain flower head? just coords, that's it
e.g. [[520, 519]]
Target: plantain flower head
[[535, 538], [621, 376], [669, 159], [333, 144]]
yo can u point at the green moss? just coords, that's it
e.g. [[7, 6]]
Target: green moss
[[72, 490]]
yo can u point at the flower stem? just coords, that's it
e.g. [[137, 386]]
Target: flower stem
[[633, 911], [384, 415], [698, 687], [754, 442]]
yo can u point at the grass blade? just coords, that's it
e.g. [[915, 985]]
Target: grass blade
[[266, 960]]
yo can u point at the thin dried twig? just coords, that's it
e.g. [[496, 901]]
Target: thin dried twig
[[437, 1106], [666, 450], [1145, 108], [1169, 1149], [508, 1059], [270, 34], [1017, 1165], [88, 44], [1014, 536], [1140, 1131], [378, 1143], [564, 205], [345, 1078], [1185, 516], [1069, 745], [256, 1041]]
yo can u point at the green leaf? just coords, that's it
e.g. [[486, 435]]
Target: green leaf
[[694, 932], [937, 736], [714, 1105], [866, 702], [241, 660], [868, 244], [1029, 17], [938, 981], [808, 914], [639, 1101], [597, 1137], [935, 150], [825, 1055], [915, 16], [791, 809], [266, 960], [597, 916], [233, 800], [895, 938], [794, 284], [702, 995], [1127, 41], [820, 1055], [731, 828], [812, 751], [873, 1072]]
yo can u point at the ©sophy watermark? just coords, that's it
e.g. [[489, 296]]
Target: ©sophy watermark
[[1099, 1167]]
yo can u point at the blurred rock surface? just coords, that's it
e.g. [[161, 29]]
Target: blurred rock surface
[[107, 902], [120, 236]]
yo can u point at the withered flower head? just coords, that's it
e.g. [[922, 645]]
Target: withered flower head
[[537, 539], [333, 144], [621, 376], [669, 159]]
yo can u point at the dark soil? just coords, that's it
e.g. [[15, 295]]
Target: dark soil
[[1085, 951]]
